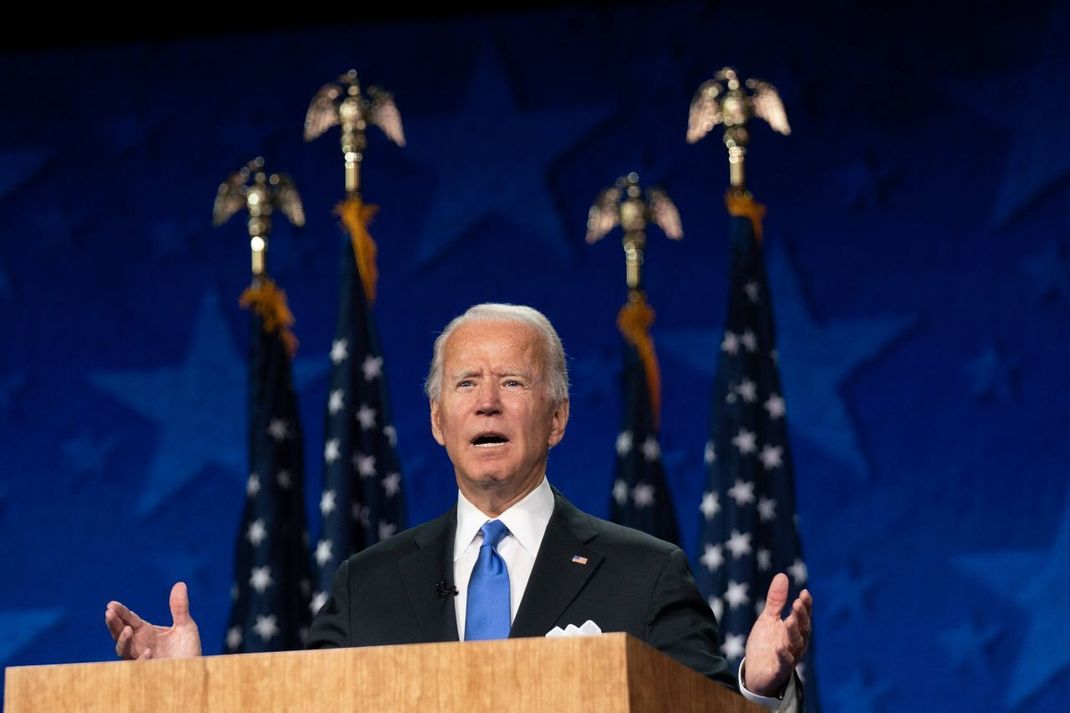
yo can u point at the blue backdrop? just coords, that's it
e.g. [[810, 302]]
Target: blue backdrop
[[919, 256]]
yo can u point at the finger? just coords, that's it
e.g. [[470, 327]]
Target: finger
[[124, 643], [801, 613], [114, 623], [145, 655], [127, 615], [179, 603], [777, 596]]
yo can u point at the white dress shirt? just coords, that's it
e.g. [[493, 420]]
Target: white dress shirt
[[527, 520]]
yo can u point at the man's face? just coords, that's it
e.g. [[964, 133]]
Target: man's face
[[494, 414]]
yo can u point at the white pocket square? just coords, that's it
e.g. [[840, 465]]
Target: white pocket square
[[589, 628]]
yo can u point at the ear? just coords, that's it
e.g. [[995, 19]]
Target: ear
[[558, 421], [436, 427]]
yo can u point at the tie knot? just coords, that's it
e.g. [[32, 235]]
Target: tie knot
[[493, 532]]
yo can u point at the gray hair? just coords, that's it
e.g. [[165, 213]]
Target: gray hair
[[556, 371]]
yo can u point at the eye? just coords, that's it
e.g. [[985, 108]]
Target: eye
[[513, 384], [465, 384]]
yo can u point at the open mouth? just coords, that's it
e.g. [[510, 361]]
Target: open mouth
[[489, 440]]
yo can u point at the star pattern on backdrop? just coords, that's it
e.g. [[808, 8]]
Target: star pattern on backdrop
[[1048, 272], [18, 166], [1034, 580], [197, 406], [859, 694], [818, 357], [843, 594], [21, 627], [991, 374], [492, 158], [968, 645]]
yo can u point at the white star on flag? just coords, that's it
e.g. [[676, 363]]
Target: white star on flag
[[771, 456], [386, 529], [739, 544], [337, 401], [327, 502], [363, 513], [233, 638], [643, 495], [257, 532], [744, 441], [709, 455], [742, 492], [252, 486], [736, 594], [283, 479], [620, 492], [717, 607], [710, 505], [318, 600], [730, 344], [366, 416], [365, 465], [734, 646], [798, 572], [392, 484], [330, 450], [391, 435], [749, 341], [748, 390], [339, 351], [651, 449], [372, 367], [323, 552], [712, 558], [766, 509], [775, 406], [765, 559], [624, 443], [278, 429], [266, 627], [751, 289], [261, 578]]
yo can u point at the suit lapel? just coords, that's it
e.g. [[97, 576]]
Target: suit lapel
[[556, 577], [422, 572]]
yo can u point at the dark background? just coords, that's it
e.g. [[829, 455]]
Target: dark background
[[917, 245]]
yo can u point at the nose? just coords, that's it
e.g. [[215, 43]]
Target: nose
[[489, 400]]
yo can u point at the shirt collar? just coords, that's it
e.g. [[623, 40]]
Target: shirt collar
[[526, 519]]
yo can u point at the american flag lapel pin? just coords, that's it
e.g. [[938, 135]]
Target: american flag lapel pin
[[579, 559]]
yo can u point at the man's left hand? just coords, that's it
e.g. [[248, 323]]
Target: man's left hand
[[776, 645]]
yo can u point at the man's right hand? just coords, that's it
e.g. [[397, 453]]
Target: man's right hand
[[136, 638]]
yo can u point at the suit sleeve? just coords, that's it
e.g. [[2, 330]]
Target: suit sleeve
[[681, 624], [330, 625]]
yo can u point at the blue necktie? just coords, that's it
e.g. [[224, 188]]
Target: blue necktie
[[487, 612]]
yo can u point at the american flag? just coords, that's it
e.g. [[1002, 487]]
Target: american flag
[[362, 500], [640, 496], [748, 529], [272, 570]]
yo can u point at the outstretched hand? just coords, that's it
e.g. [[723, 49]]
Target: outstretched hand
[[136, 638], [775, 646]]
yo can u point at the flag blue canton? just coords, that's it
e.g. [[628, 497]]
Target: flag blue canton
[[640, 496], [748, 529], [272, 571], [362, 500]]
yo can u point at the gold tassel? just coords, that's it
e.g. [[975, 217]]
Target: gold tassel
[[268, 300], [356, 215], [634, 323], [743, 205]]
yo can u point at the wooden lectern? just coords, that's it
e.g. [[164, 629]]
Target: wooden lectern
[[607, 673]]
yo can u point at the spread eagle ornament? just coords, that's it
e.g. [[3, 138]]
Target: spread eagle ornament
[[722, 100], [342, 103], [260, 193]]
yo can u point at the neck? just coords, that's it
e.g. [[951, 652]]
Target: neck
[[493, 501]]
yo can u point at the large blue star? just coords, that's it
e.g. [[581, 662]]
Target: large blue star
[[197, 405], [88, 454], [492, 159], [859, 694], [1037, 582], [968, 643], [21, 627], [991, 374], [843, 593], [816, 359], [1049, 272]]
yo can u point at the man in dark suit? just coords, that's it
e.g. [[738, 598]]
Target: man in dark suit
[[513, 557]]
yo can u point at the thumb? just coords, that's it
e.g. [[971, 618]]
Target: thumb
[[777, 597], [179, 603]]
